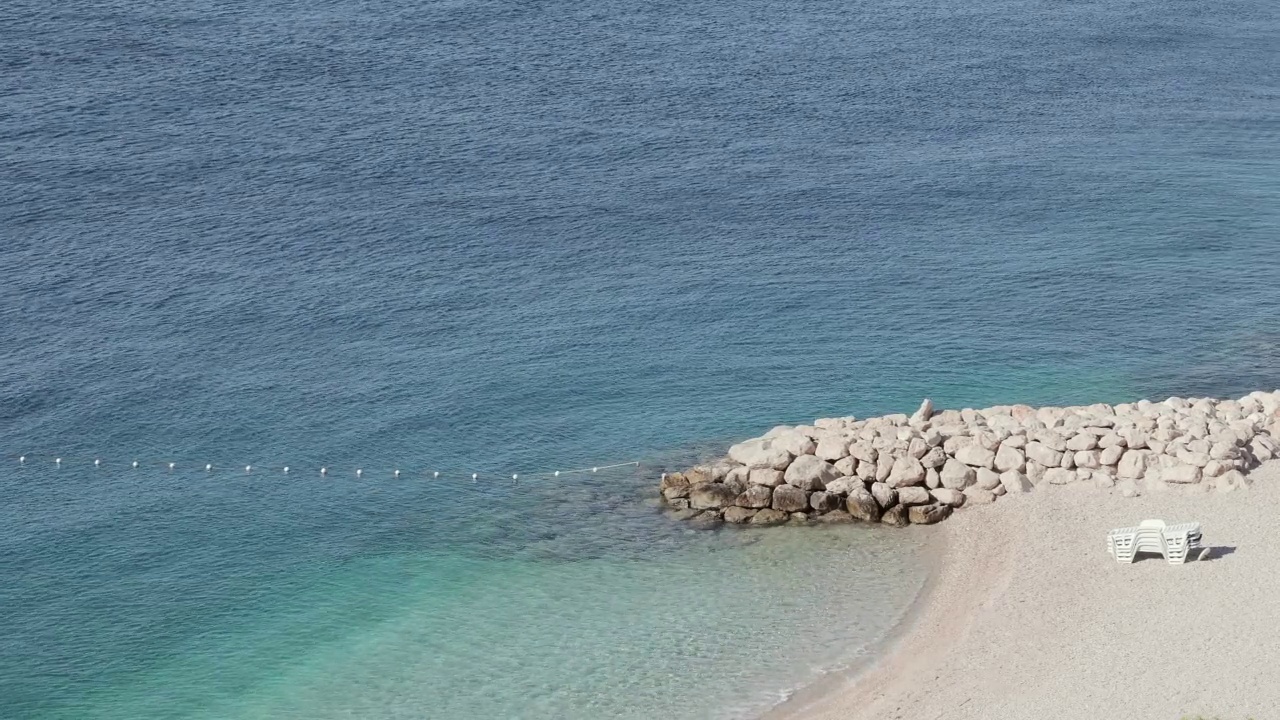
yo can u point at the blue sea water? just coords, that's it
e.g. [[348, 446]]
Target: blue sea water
[[493, 237]]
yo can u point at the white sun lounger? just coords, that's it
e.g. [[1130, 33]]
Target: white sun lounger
[[1174, 542]]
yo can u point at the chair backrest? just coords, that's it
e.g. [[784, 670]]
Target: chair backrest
[[1151, 524]]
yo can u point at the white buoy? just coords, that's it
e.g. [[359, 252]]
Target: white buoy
[[474, 476], [594, 469], [515, 477], [286, 469], [208, 467], [359, 472], [96, 462], [57, 461], [135, 464], [397, 473], [171, 466], [557, 473], [435, 474], [22, 459], [324, 471], [248, 469]]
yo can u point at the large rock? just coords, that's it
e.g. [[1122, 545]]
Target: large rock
[[913, 495], [1049, 439], [1133, 464], [796, 443], [767, 477], [956, 475], [906, 471], [928, 514], [863, 506], [954, 498], [1043, 454], [1180, 474], [788, 498], [707, 519], [711, 496], [1195, 459], [755, 496], [846, 466], [843, 485], [936, 457], [768, 517], [897, 516], [1110, 455], [976, 456], [824, 501], [1083, 441], [1059, 476], [1010, 458], [738, 515], [864, 452], [977, 496], [1015, 482], [832, 448], [674, 485], [1087, 459], [923, 413], [987, 479], [884, 495], [809, 472], [760, 453]]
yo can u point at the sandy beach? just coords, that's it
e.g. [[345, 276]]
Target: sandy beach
[[1028, 617]]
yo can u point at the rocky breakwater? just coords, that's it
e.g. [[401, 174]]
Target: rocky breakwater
[[902, 470]]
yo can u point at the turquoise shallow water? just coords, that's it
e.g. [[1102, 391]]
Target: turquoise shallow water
[[491, 237]]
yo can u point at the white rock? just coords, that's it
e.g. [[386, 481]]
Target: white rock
[[913, 495], [1132, 464], [1043, 454], [831, 448], [976, 456], [1009, 458], [760, 453], [1035, 472], [884, 466], [932, 479], [843, 485], [796, 443], [978, 496], [1015, 482], [917, 448], [864, 452], [765, 476], [986, 479], [846, 466], [1083, 441], [1110, 455], [1196, 459], [886, 497], [956, 475], [1059, 476], [906, 471], [1215, 468], [954, 498], [924, 413], [809, 472], [1181, 474], [934, 458]]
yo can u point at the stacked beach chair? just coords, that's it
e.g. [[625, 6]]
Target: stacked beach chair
[[1175, 542]]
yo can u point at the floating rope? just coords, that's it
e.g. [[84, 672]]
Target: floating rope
[[62, 462]]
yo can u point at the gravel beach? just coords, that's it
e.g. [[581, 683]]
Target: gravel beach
[[1028, 617]]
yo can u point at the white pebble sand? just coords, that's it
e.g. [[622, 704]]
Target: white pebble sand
[[1028, 617]]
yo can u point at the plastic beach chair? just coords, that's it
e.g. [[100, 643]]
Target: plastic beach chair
[[1174, 542]]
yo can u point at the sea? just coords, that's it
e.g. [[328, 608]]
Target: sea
[[443, 249]]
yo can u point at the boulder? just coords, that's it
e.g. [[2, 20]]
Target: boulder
[[885, 496], [976, 456], [707, 519], [788, 498], [884, 466], [768, 517], [846, 466], [928, 514], [954, 498], [760, 453], [1051, 440], [1088, 459], [932, 479], [835, 516], [1195, 459], [824, 501], [1014, 482], [918, 448], [676, 483], [794, 442], [711, 496], [923, 413], [1231, 480], [897, 516], [738, 515], [740, 473], [906, 471], [1059, 476], [863, 452], [809, 472], [863, 506], [766, 477], [987, 479], [831, 448], [1043, 454], [1109, 455], [1035, 472], [843, 485], [936, 457], [1180, 474], [866, 470], [913, 495], [956, 475], [755, 496], [977, 496], [1009, 458], [1133, 464]]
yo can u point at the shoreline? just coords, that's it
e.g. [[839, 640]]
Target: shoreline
[[1019, 622]]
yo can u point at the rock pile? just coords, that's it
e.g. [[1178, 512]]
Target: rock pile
[[902, 470]]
